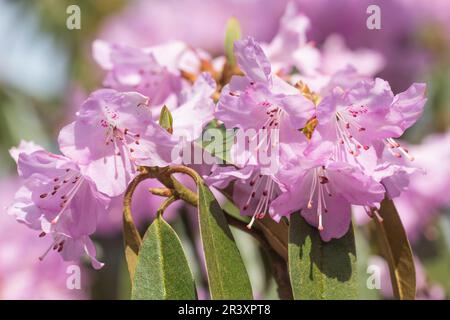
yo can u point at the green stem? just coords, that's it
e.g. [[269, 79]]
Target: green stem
[[165, 205], [186, 170], [164, 175], [162, 192]]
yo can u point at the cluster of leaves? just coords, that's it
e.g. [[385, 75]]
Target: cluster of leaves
[[159, 268]]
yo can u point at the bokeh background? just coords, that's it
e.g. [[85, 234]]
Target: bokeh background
[[47, 70]]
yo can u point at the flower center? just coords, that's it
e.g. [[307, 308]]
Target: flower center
[[397, 150], [319, 189], [64, 188], [347, 122], [344, 126], [56, 245], [264, 187], [122, 141]]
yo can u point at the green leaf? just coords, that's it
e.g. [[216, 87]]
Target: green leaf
[[217, 141], [233, 33], [318, 269], [227, 276], [166, 120], [276, 234], [231, 209], [162, 270], [395, 248]]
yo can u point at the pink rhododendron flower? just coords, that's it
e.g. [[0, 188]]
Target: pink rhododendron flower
[[324, 194], [253, 191], [322, 177], [425, 193], [195, 109], [22, 275], [262, 102], [59, 200], [114, 133], [337, 56], [152, 72], [366, 113], [291, 48]]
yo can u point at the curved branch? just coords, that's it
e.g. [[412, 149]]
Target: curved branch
[[186, 170], [165, 205], [164, 175], [132, 238]]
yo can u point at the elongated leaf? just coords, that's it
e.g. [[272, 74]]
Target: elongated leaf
[[318, 269], [227, 276], [394, 246], [276, 234], [162, 270], [233, 211], [233, 33]]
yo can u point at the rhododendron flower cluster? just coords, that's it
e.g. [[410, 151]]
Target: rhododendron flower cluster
[[328, 130]]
